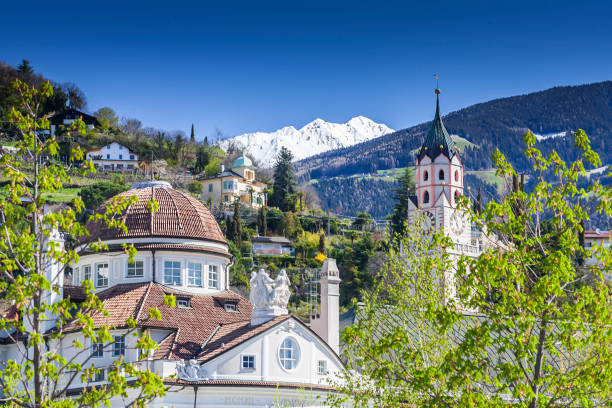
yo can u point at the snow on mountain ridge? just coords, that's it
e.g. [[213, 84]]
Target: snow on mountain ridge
[[315, 137]]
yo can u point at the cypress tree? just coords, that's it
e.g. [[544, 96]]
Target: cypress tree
[[285, 181], [402, 196], [192, 134], [322, 243], [236, 224]]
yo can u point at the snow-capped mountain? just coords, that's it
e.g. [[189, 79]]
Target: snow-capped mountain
[[316, 137]]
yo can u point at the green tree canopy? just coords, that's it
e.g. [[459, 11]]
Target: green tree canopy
[[402, 197], [524, 324], [285, 181], [38, 373]]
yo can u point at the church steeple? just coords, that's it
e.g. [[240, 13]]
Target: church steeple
[[437, 140]]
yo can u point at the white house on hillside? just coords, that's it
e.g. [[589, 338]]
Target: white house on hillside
[[113, 157]]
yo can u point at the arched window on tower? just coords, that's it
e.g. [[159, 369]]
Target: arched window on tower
[[425, 176], [456, 175], [441, 175], [456, 196], [426, 197]]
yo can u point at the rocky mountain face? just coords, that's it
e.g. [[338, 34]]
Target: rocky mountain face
[[314, 138]]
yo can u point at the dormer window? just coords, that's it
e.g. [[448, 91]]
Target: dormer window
[[231, 307], [183, 302], [441, 175]]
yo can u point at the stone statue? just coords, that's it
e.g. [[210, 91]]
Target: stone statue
[[269, 297], [261, 286], [191, 371], [281, 293]]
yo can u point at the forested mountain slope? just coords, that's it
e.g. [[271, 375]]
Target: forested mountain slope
[[497, 123]]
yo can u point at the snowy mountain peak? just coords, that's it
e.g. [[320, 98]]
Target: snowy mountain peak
[[313, 138]]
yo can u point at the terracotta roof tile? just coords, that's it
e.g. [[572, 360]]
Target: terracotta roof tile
[[179, 215], [233, 334]]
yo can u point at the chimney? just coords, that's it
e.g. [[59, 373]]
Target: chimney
[[222, 168], [327, 323]]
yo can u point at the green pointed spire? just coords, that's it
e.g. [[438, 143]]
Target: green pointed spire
[[437, 140]]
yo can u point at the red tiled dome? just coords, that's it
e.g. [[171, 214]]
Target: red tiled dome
[[179, 216]]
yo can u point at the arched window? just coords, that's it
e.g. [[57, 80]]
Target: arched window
[[456, 175], [425, 176], [441, 175], [456, 196], [426, 197]]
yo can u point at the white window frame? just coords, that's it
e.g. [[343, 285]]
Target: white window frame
[[86, 276], [216, 276], [97, 349], [183, 302], [282, 356], [98, 285], [190, 277], [242, 361], [180, 277], [99, 375], [127, 269], [119, 345], [322, 367]]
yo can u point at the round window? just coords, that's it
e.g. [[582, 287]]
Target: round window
[[289, 354]]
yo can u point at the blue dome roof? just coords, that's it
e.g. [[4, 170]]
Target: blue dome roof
[[242, 161]]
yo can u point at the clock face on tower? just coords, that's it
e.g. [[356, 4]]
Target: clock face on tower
[[429, 220], [457, 223]]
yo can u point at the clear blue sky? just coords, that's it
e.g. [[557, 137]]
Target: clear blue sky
[[259, 66]]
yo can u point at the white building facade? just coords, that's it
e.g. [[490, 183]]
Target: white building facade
[[215, 347], [113, 157]]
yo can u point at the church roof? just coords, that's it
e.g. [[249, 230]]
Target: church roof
[[437, 140]]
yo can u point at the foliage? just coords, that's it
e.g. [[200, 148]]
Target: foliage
[[531, 324], [285, 182], [362, 221], [95, 194], [37, 372], [195, 188], [262, 222], [402, 198], [290, 225]]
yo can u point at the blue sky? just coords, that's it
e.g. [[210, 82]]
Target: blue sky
[[258, 66]]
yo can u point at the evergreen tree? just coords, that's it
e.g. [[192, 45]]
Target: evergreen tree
[[206, 141], [229, 229], [285, 182], [237, 226], [202, 160], [402, 197], [322, 243], [192, 138], [25, 67]]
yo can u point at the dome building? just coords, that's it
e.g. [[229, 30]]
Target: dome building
[[179, 245], [215, 346]]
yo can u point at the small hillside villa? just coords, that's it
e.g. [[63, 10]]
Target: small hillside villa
[[215, 346], [113, 157], [237, 183]]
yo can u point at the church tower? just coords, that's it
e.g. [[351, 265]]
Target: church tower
[[439, 183]]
